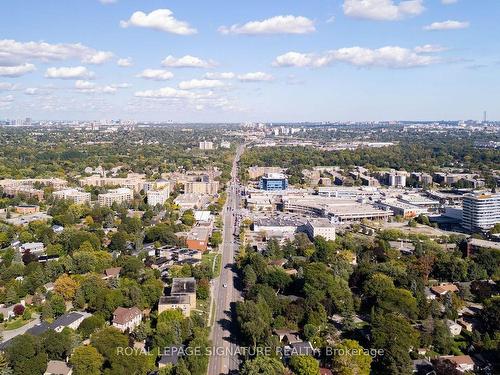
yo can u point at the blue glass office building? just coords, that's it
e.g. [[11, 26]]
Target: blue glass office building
[[273, 181]]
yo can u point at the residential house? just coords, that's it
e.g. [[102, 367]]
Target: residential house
[[462, 363], [127, 318], [69, 320], [441, 290], [111, 273], [58, 368]]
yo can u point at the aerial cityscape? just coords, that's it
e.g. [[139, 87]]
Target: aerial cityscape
[[280, 188]]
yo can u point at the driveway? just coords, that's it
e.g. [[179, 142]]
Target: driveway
[[7, 335]]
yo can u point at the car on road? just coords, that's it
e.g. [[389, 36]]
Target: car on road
[[224, 285]]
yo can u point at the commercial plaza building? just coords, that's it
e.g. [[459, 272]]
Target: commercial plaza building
[[481, 211]]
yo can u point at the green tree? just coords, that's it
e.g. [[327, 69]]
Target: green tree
[[216, 239], [349, 359], [304, 365], [118, 241], [188, 218], [26, 355], [107, 340], [90, 325], [490, 314], [254, 321], [263, 365], [86, 360], [395, 335], [441, 337], [5, 368], [57, 345]]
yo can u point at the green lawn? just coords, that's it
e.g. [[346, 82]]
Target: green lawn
[[15, 323], [208, 259], [202, 308]]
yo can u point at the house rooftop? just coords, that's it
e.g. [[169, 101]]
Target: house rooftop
[[183, 285], [58, 368], [122, 315], [66, 319], [445, 288], [180, 299]]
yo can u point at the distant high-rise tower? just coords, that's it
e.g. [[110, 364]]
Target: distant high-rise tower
[[484, 116]]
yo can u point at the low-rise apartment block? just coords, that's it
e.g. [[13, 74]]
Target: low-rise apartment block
[[74, 195], [156, 197], [201, 187], [320, 227], [118, 196]]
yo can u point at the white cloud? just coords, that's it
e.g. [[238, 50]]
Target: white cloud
[[14, 51], [330, 19], [200, 84], [7, 98], [74, 72], [382, 10], [447, 25], [159, 19], [448, 2], [84, 85], [98, 58], [429, 48], [255, 77], [108, 89], [156, 74], [388, 57], [186, 61], [168, 92], [108, 1], [220, 75], [16, 70], [293, 59], [121, 85], [274, 25], [88, 87], [6, 86], [125, 63], [32, 91]]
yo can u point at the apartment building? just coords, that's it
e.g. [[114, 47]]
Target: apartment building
[[118, 196], [320, 227], [133, 181], [206, 145], [74, 195], [481, 211], [158, 196], [396, 179], [201, 187], [25, 190]]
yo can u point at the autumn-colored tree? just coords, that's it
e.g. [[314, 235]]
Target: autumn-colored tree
[[66, 287]]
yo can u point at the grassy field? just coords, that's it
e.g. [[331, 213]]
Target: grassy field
[[208, 259]]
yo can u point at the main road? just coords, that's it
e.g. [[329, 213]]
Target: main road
[[222, 361]]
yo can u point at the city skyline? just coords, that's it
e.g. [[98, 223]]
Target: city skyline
[[286, 61]]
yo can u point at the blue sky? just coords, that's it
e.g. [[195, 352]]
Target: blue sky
[[284, 60]]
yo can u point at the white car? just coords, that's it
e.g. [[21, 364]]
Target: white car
[[224, 285]]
